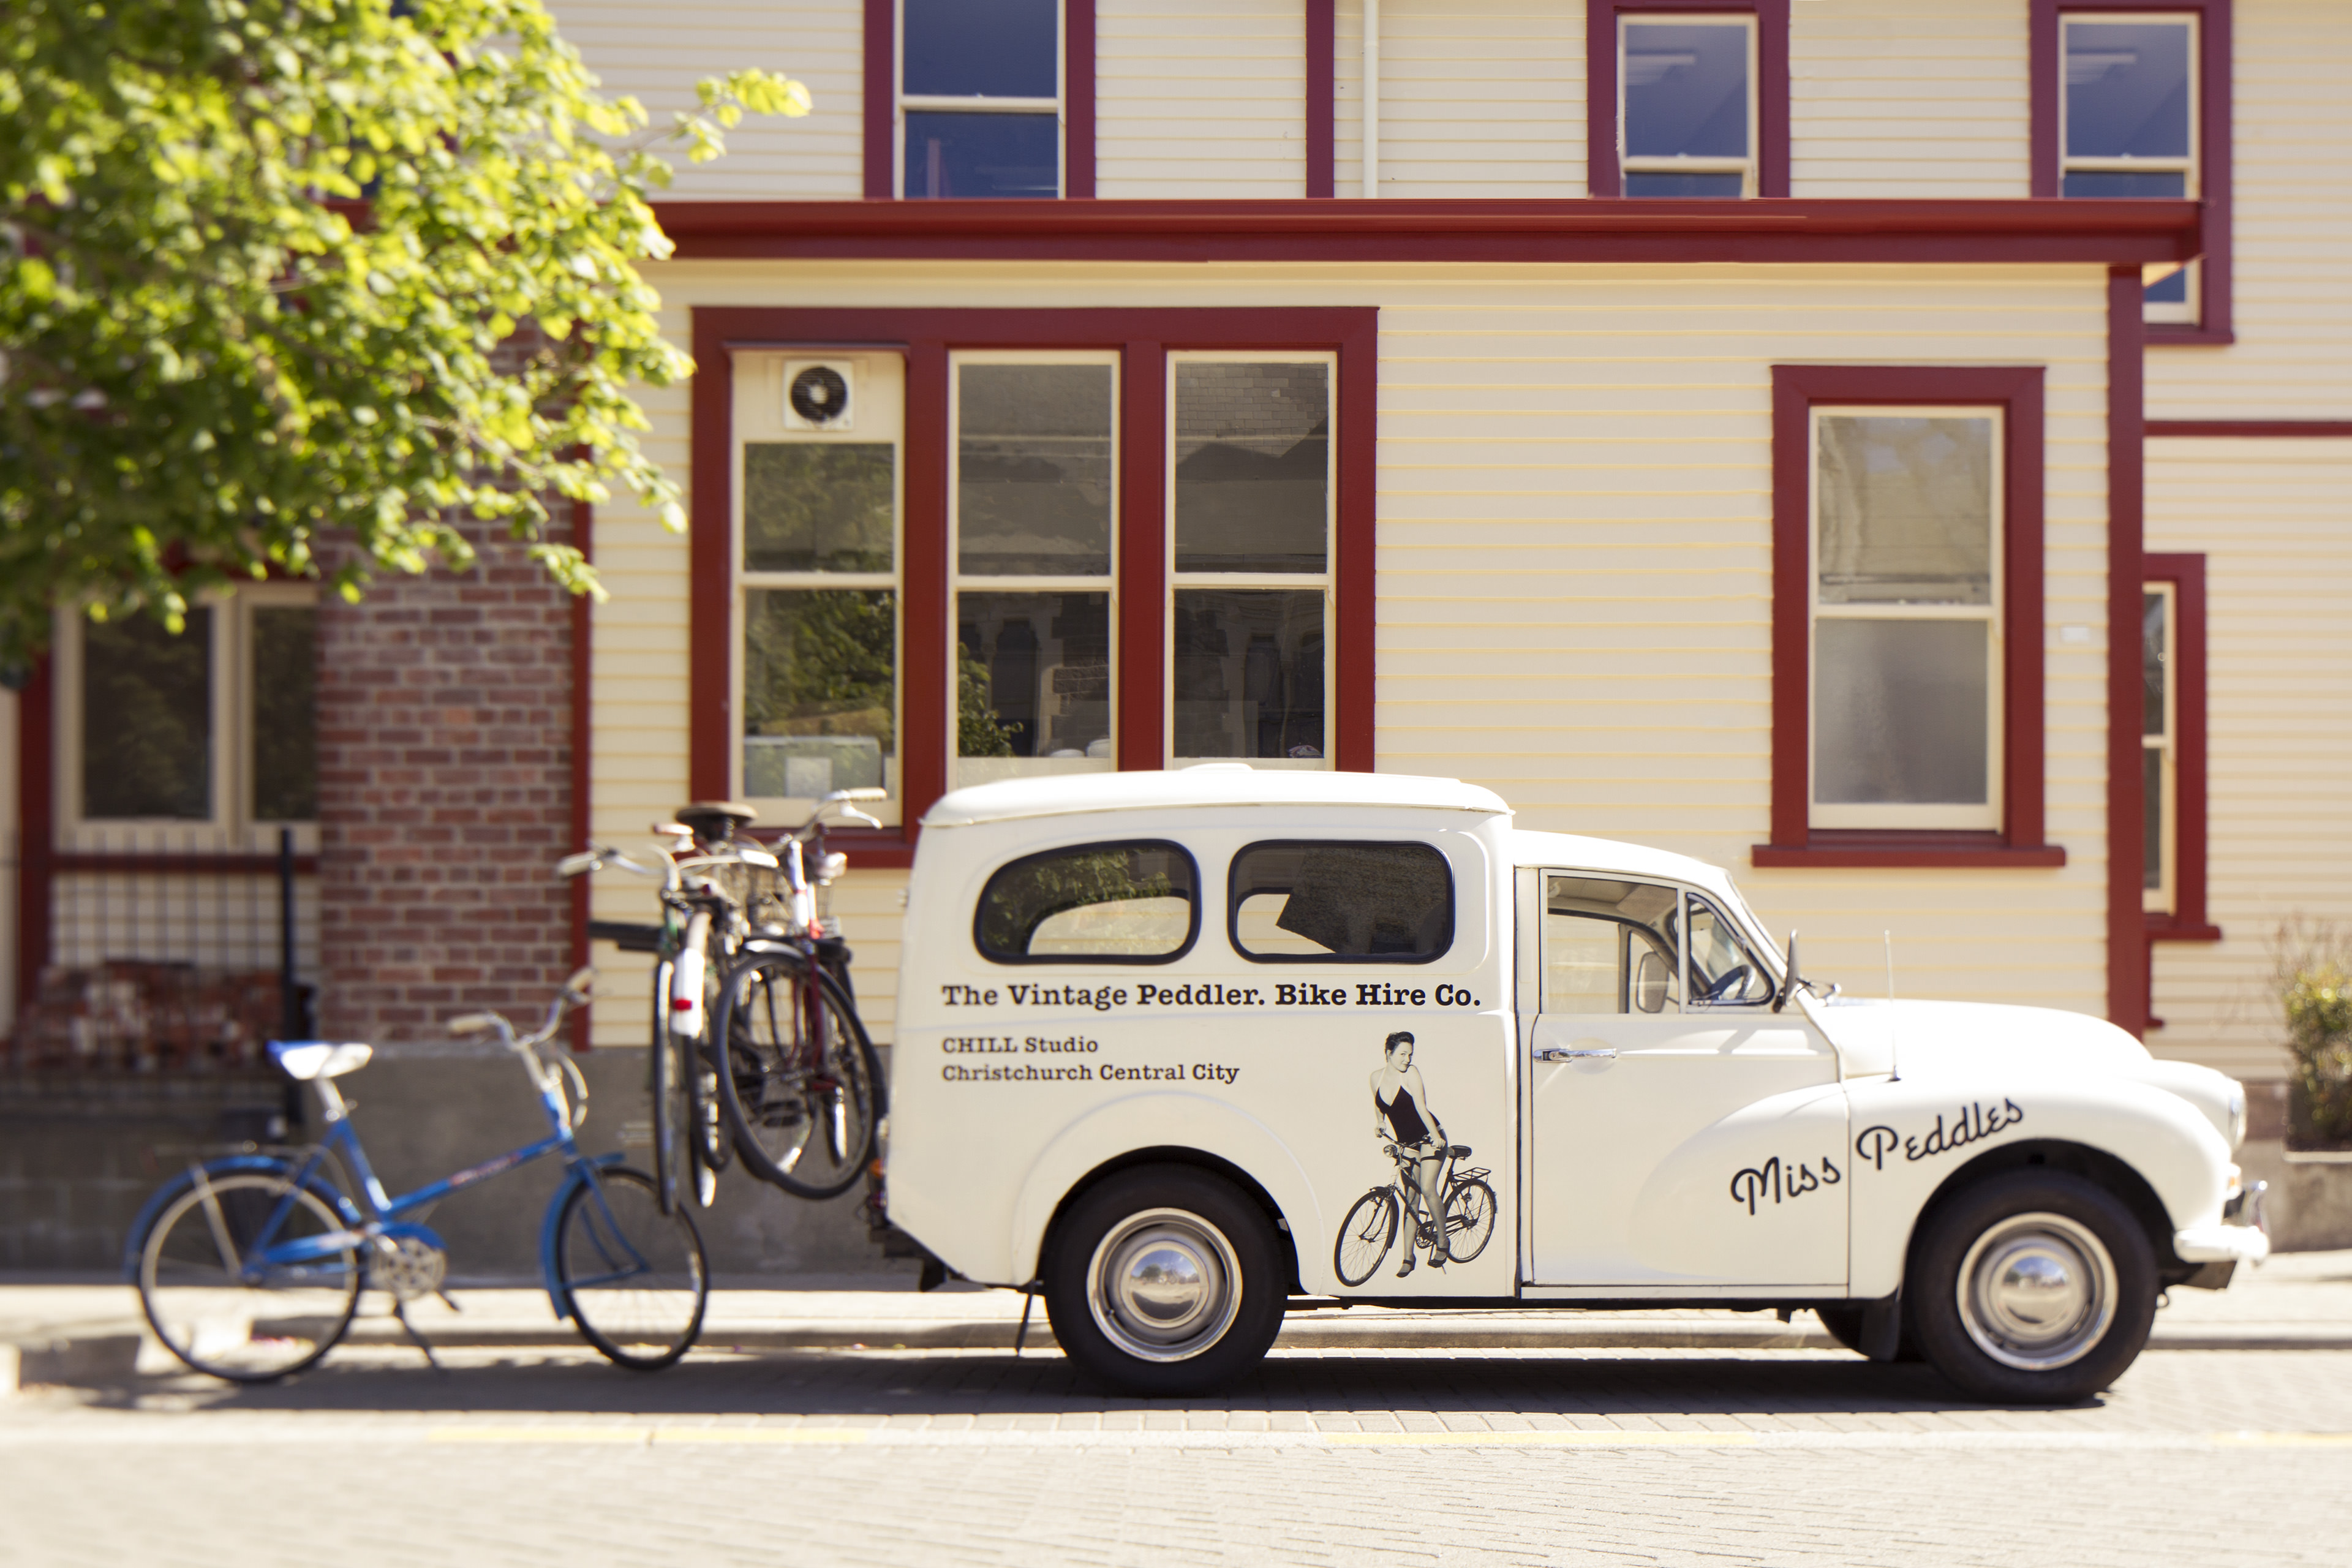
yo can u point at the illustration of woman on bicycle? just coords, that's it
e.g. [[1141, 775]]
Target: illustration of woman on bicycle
[[1401, 1115]]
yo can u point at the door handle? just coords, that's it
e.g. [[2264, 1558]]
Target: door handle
[[1562, 1053]]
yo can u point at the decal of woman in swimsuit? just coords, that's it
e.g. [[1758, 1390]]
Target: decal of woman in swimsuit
[[1401, 1115]]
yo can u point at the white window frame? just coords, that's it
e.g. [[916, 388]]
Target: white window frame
[[1055, 582], [1297, 582], [975, 103], [1948, 818], [758, 420], [231, 729], [2162, 897], [2154, 272], [1747, 168]]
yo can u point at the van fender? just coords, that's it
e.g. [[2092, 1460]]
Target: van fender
[[575, 1175], [1145, 1122], [1910, 1136]]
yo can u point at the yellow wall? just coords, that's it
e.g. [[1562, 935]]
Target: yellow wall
[[1200, 101], [1574, 558], [2273, 519], [1907, 99]]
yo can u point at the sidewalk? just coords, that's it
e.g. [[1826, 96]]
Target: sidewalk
[[89, 1331]]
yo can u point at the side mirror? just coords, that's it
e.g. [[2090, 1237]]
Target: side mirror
[[1650, 979], [1791, 978]]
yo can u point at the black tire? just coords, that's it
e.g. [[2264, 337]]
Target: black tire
[[2033, 1287], [798, 1078], [635, 1276], [1469, 1219], [204, 1310], [1111, 1257], [669, 1084], [1365, 1237]]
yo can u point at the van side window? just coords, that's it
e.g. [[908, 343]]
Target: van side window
[[1724, 971], [1305, 903], [1132, 903], [1610, 946]]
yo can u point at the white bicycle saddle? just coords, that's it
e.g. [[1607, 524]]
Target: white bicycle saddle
[[308, 1060]]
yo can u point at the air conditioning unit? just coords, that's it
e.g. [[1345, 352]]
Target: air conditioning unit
[[820, 395]]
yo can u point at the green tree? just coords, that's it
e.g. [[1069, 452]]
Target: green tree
[[258, 262]]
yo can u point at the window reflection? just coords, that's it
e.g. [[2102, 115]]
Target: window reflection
[[146, 719], [1033, 469], [1249, 673]]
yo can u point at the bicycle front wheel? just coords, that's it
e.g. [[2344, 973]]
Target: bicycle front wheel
[[1366, 1235], [798, 1076], [671, 1088], [1469, 1219], [635, 1276], [215, 1292]]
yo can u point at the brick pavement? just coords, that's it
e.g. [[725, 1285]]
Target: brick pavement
[[1473, 1457]]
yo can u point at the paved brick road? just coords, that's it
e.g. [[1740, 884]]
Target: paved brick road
[[882, 1457]]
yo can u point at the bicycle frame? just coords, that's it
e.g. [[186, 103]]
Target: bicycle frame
[[383, 1213]]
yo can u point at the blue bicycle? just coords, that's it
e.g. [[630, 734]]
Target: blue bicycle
[[250, 1266]]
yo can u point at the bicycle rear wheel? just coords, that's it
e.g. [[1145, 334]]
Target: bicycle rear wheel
[[1365, 1237], [635, 1276], [1469, 1219], [228, 1320], [799, 1078], [671, 1088]]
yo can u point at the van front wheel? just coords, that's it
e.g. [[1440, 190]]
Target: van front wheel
[[1164, 1281]]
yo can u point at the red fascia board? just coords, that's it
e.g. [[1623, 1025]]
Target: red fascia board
[[2308, 429], [1340, 230]]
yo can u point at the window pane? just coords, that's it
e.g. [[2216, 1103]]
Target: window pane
[[2121, 183], [2172, 288], [1724, 973], [983, 154], [991, 49], [1304, 901], [1686, 89], [2151, 664], [146, 719], [1253, 467], [820, 690], [2127, 89], [1249, 673], [1036, 675], [1905, 510], [1609, 946], [2151, 779], [1638, 184], [1900, 713], [1033, 469], [285, 713], [811, 506], [1104, 903]]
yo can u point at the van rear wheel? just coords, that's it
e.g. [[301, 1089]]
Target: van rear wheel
[[2036, 1286], [1163, 1280]]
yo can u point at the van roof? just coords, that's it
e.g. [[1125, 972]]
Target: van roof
[[1208, 784]]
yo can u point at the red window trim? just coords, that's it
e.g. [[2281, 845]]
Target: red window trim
[[1078, 100], [1795, 841], [2186, 922], [2045, 63], [1602, 176], [1144, 338], [1322, 97]]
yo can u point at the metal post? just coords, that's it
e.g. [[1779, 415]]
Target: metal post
[[289, 1002]]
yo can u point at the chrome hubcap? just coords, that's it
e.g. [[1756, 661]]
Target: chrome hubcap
[[1164, 1284], [2037, 1292]]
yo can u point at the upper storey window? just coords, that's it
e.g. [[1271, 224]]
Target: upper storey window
[[979, 98], [2129, 117], [1687, 105]]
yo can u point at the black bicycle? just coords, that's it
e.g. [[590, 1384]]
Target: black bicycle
[[1372, 1223]]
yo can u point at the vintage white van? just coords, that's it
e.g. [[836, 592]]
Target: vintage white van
[[1177, 1048]]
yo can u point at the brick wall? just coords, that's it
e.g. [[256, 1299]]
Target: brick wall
[[444, 773]]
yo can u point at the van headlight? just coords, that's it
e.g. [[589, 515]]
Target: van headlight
[[2237, 1113]]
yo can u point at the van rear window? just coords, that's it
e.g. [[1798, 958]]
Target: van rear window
[[1132, 903], [1301, 902]]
